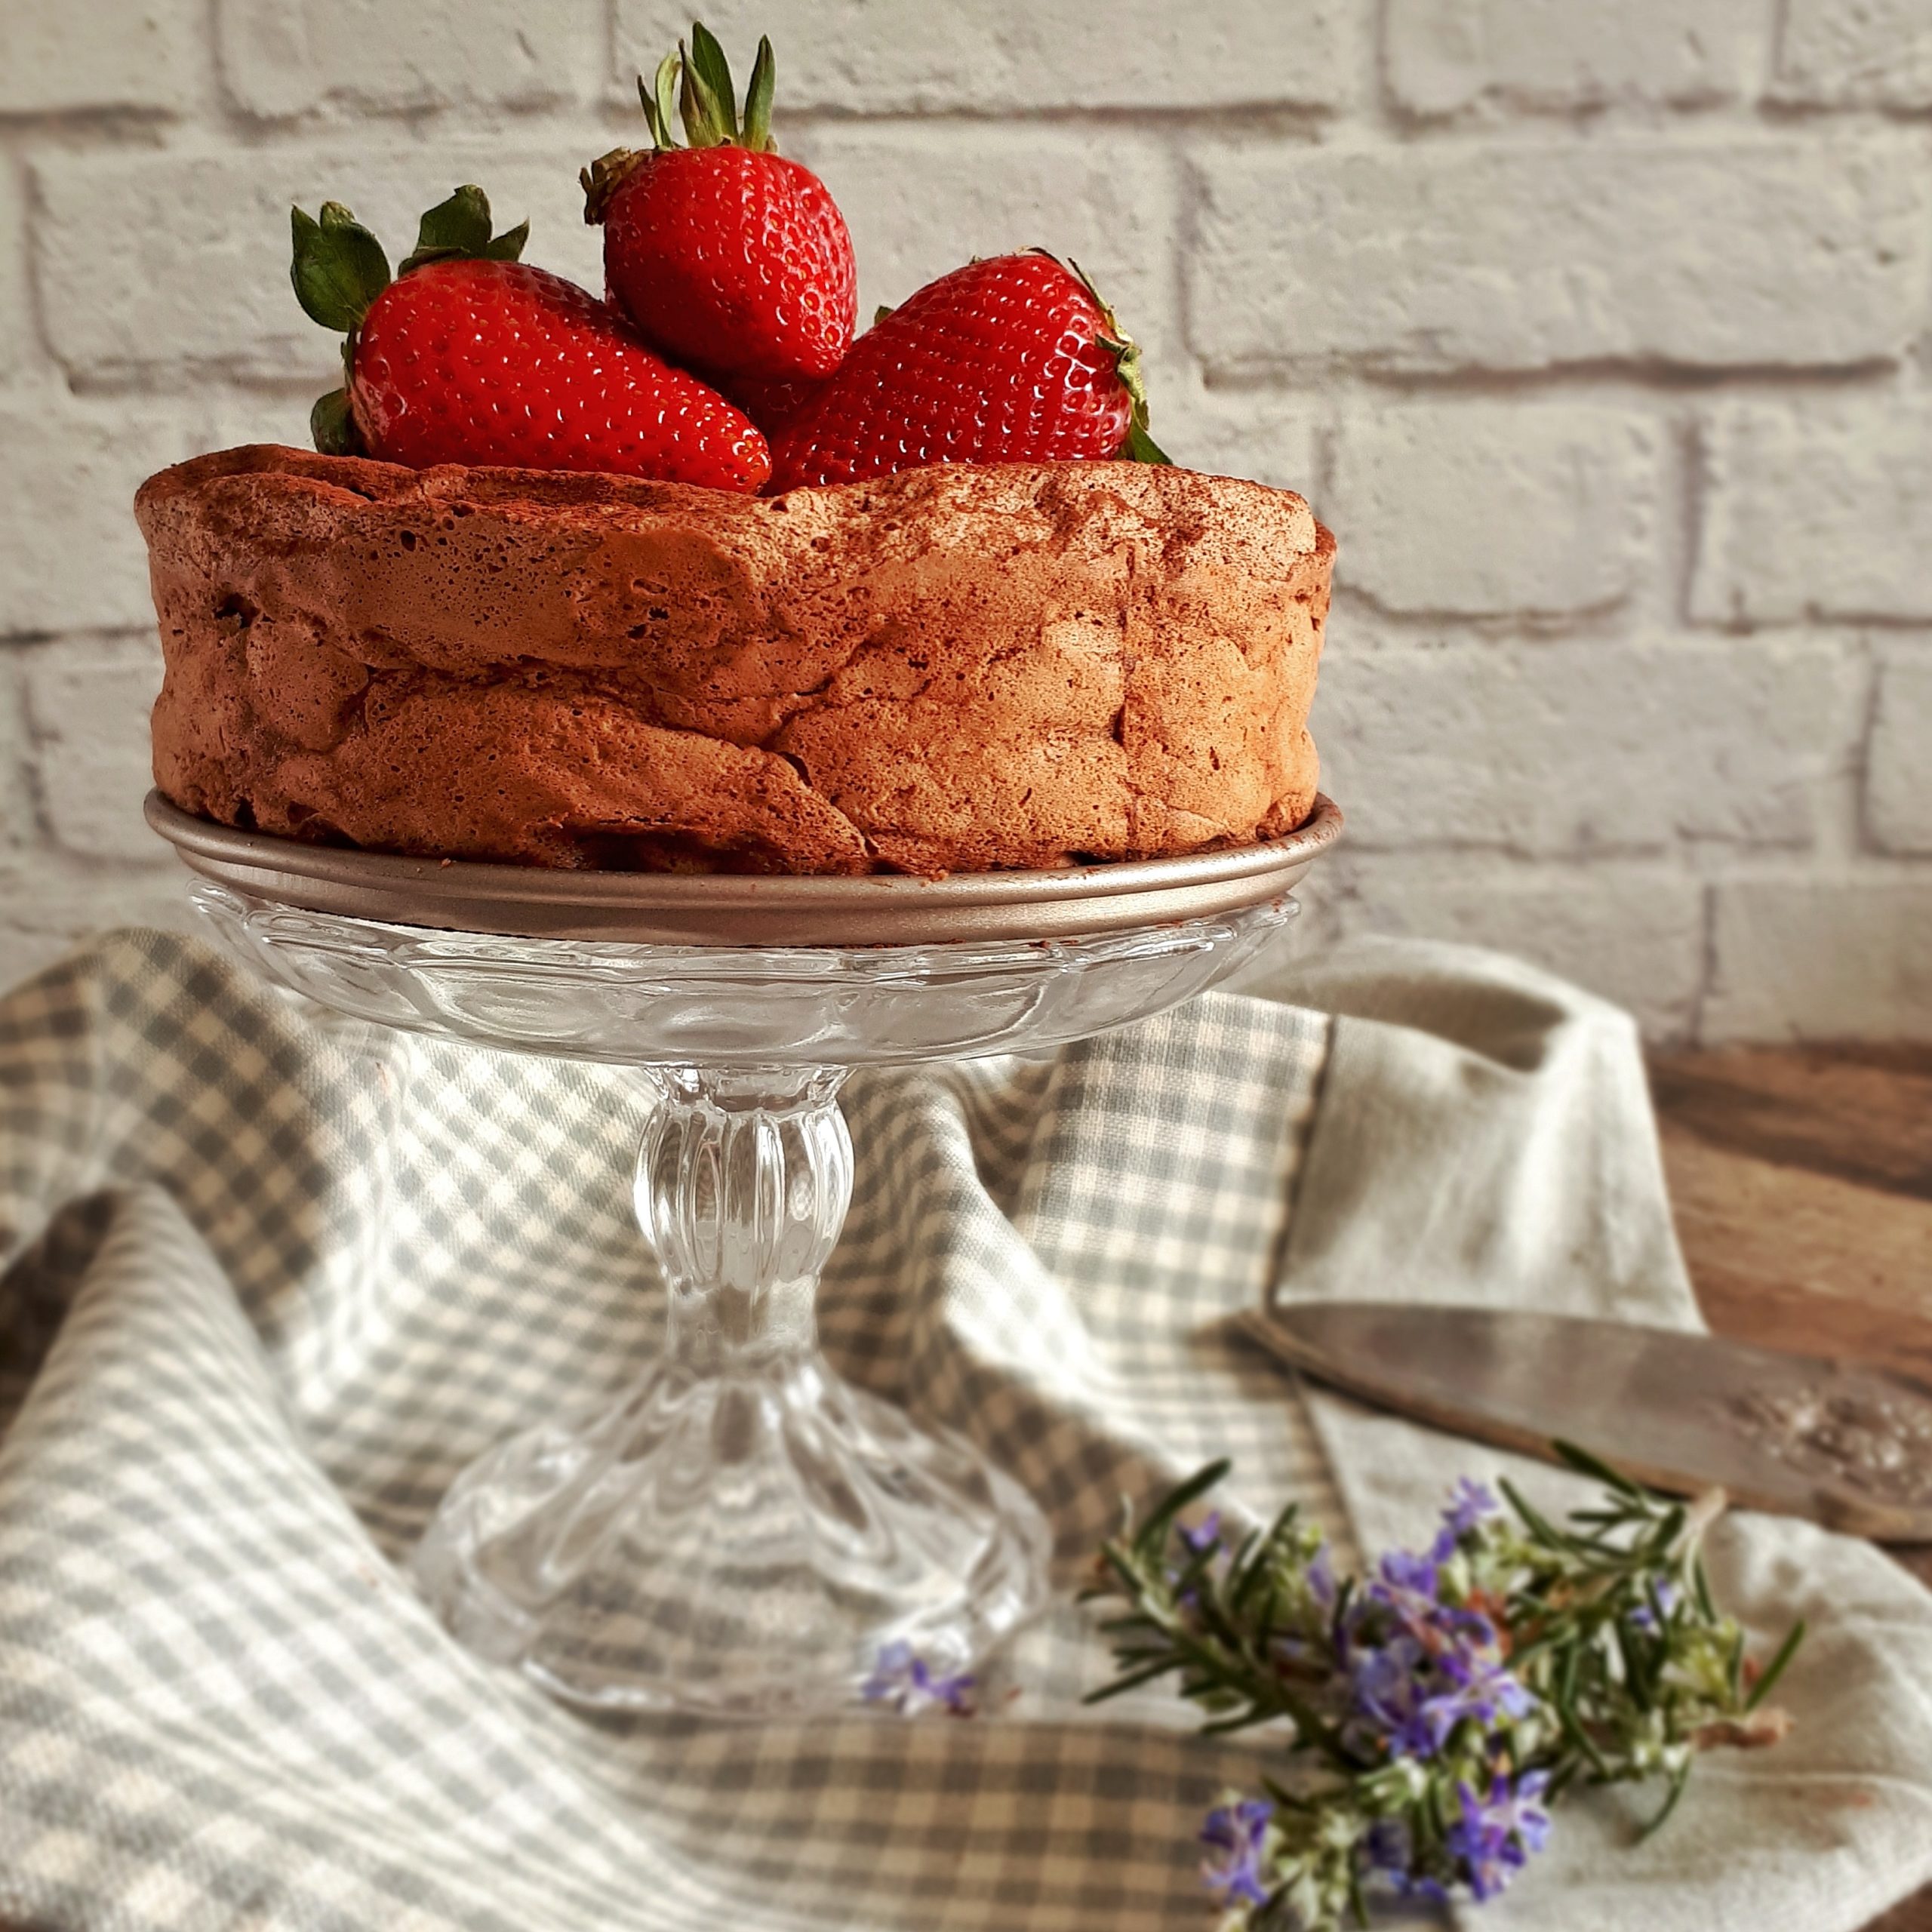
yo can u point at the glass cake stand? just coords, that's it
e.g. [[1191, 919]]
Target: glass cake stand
[[744, 1533]]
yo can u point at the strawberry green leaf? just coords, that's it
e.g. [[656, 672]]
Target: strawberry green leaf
[[704, 117], [666, 87], [1141, 447], [690, 110], [458, 226], [714, 75], [459, 229], [655, 110], [509, 246], [338, 267], [332, 429], [758, 98]]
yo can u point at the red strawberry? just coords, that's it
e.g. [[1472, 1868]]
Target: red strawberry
[[771, 401], [726, 255], [469, 356], [1014, 359]]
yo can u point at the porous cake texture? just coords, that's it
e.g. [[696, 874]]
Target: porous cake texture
[[953, 669]]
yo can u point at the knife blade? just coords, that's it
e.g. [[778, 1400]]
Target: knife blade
[[1847, 1446]]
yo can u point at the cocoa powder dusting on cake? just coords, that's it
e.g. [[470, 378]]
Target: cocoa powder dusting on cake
[[952, 669]]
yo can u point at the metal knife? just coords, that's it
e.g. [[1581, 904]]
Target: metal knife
[[1847, 1446]]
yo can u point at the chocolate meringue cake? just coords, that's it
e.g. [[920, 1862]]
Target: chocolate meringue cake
[[952, 669]]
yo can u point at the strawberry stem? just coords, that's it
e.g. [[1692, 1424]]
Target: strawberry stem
[[600, 180], [1141, 447], [692, 84]]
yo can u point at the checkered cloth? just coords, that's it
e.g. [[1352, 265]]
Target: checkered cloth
[[272, 1277]]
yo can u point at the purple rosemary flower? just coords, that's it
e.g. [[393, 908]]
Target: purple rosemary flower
[[1531, 1821], [1239, 1832], [1387, 1697], [1406, 1572], [1664, 1592], [1203, 1539], [903, 1679], [1206, 1534], [1417, 1667], [1390, 1847], [1404, 1697], [1488, 1688], [1495, 1836], [1322, 1577], [1470, 1506]]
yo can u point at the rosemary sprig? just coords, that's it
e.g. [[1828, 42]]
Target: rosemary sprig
[[1431, 1713]]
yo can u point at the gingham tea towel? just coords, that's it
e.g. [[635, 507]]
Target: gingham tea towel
[[271, 1278]]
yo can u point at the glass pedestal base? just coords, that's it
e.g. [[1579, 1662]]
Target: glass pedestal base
[[744, 1533], [742, 1544]]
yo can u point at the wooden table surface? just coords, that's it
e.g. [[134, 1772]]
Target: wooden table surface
[[1802, 1181]]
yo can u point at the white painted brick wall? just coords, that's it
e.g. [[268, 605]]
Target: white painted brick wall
[[70, 471], [1272, 438], [1856, 53], [16, 306], [1820, 510], [87, 705], [283, 58], [1569, 751], [1793, 248], [995, 56], [17, 821], [1633, 933], [1485, 509], [49, 906], [1901, 799], [57, 55], [1447, 55], [156, 268], [1821, 959], [1600, 329]]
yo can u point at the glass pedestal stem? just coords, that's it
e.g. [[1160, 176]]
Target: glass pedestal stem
[[744, 1532], [743, 1183]]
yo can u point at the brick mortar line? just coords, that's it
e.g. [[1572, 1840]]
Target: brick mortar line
[[1651, 392], [1235, 126], [1608, 379], [1643, 390]]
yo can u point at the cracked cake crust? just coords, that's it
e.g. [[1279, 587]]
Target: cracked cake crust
[[952, 669]]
